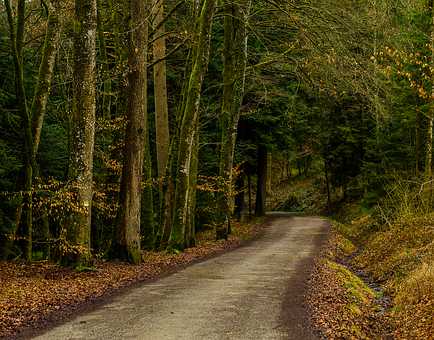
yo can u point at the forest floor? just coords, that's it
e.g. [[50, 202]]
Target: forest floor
[[37, 295], [254, 292]]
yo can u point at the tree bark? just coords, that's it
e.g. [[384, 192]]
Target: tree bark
[[80, 172], [234, 75], [418, 142], [429, 141], [429, 137], [240, 202], [190, 116], [160, 91], [329, 200], [127, 243], [147, 219], [190, 236], [261, 188], [106, 96], [269, 173], [46, 70], [249, 186]]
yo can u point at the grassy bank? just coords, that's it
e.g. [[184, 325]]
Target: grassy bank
[[395, 252], [400, 255]]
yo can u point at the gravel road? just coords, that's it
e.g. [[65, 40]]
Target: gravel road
[[254, 292]]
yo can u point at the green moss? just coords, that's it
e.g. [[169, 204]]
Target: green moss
[[354, 309], [357, 332], [356, 289], [346, 246]]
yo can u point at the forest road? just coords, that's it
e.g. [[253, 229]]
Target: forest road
[[254, 292]]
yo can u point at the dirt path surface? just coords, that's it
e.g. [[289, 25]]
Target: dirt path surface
[[254, 292]]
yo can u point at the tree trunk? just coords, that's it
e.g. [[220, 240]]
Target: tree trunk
[[234, 75], [190, 116], [127, 243], [160, 91], [261, 188], [80, 171]]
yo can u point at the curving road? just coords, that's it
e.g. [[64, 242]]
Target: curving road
[[254, 292]]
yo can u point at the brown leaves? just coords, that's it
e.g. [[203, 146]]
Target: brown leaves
[[32, 294]]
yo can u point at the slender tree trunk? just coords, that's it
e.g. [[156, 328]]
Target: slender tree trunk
[[299, 167], [288, 170], [418, 142], [162, 132], [80, 171], [240, 202], [189, 121], [168, 192], [160, 91], [429, 138], [429, 141], [46, 70], [429, 150], [147, 219], [329, 201], [42, 92], [261, 188], [190, 239], [249, 186], [106, 96], [127, 242], [234, 75], [269, 172]]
